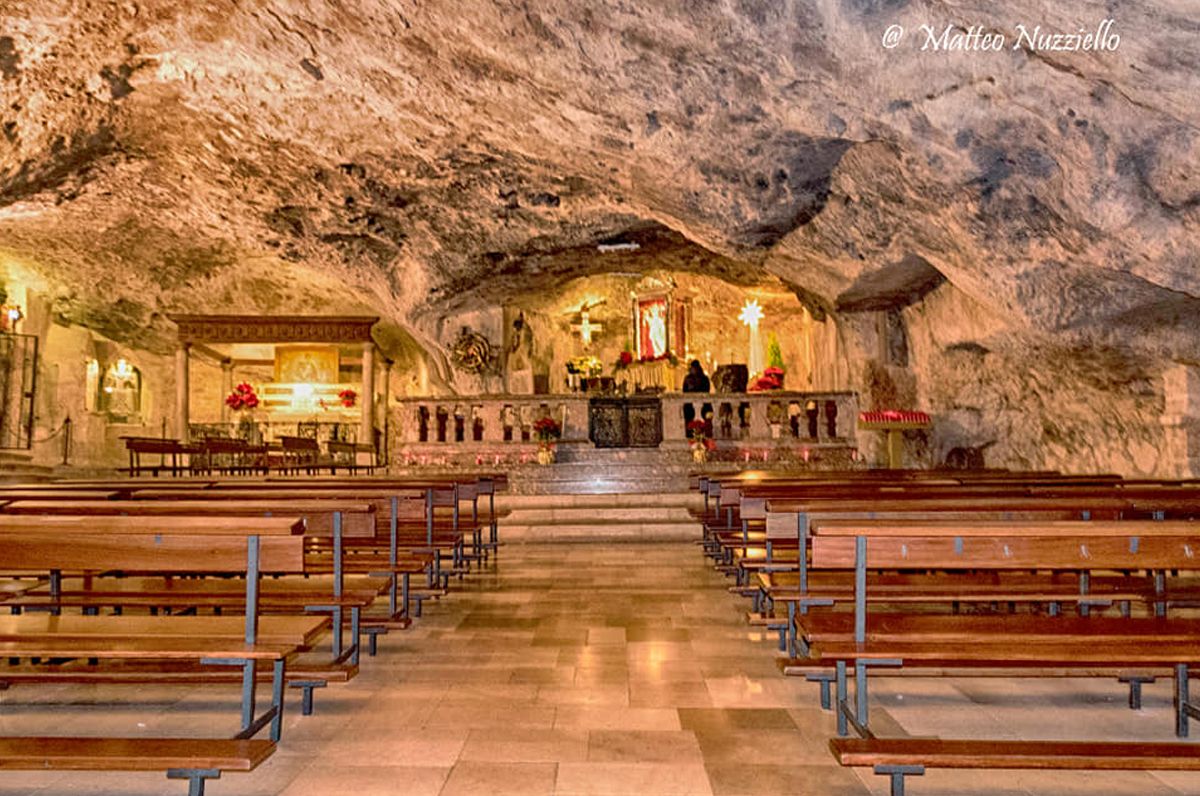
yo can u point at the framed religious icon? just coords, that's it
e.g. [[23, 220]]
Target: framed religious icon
[[306, 364], [652, 320]]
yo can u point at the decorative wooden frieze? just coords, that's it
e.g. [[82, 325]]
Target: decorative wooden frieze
[[274, 329]]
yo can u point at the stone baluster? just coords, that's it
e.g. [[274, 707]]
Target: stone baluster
[[760, 429], [674, 429]]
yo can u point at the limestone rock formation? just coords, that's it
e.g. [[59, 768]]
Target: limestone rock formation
[[1028, 215]]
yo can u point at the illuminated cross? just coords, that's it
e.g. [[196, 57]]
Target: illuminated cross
[[751, 314], [585, 328]]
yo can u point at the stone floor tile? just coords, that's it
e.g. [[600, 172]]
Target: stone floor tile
[[770, 779], [526, 746], [618, 779], [641, 746], [472, 778]]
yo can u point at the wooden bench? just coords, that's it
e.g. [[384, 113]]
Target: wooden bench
[[163, 448], [986, 641], [333, 519], [52, 544], [344, 455], [194, 759], [897, 758]]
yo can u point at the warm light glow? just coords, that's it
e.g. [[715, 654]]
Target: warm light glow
[[14, 313], [123, 370], [585, 328], [751, 313], [303, 390]]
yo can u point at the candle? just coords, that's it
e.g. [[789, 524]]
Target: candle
[[804, 453]]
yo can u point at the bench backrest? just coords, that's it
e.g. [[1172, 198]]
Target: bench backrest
[[1007, 545], [140, 544], [358, 517]]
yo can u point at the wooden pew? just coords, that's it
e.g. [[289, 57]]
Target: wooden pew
[[899, 757], [52, 544], [988, 641], [337, 520], [163, 448]]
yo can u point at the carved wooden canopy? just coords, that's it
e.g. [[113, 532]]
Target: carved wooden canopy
[[274, 328]]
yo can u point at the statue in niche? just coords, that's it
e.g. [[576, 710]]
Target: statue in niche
[[121, 392], [518, 363]]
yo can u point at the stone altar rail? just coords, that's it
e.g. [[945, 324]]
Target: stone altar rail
[[452, 429]]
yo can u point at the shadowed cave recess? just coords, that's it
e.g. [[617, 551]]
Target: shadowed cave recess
[[1005, 240]]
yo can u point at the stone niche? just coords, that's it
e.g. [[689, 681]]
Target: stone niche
[[533, 357], [1181, 421]]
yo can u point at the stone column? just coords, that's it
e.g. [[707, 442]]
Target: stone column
[[366, 432], [182, 392], [226, 387], [385, 455], [1181, 422]]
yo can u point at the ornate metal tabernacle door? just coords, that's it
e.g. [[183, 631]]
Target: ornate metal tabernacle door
[[625, 422]]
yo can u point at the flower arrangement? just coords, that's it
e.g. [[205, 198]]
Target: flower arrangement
[[347, 397], [546, 430], [772, 379], [242, 397], [584, 365], [698, 431], [623, 361]]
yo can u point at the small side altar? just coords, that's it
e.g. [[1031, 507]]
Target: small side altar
[[893, 423]]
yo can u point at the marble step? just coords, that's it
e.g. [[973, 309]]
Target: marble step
[[600, 531], [17, 466], [627, 514], [601, 500]]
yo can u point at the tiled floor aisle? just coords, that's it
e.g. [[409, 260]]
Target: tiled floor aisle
[[592, 669]]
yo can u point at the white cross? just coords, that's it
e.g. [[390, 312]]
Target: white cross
[[585, 328]]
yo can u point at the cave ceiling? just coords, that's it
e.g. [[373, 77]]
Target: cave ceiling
[[415, 158]]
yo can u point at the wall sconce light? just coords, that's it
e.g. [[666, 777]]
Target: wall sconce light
[[12, 314]]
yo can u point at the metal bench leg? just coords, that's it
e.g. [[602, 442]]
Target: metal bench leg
[[306, 694], [824, 678], [897, 773], [1135, 688], [195, 777], [842, 728], [1181, 698]]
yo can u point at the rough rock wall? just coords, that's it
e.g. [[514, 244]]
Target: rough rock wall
[[415, 159]]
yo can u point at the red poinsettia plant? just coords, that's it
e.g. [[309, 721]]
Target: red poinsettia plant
[[772, 379], [698, 431], [242, 397], [347, 397], [623, 361], [547, 430]]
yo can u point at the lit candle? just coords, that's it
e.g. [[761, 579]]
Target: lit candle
[[764, 456], [747, 455], [804, 453]]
